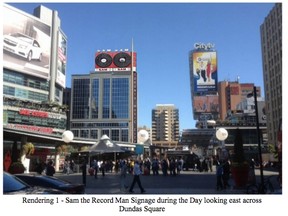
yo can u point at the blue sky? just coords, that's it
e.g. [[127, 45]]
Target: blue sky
[[163, 35]]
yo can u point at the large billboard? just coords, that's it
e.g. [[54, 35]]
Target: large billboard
[[26, 43], [115, 61], [206, 104], [62, 57], [204, 71]]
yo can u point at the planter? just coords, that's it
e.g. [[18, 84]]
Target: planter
[[16, 168], [240, 175]]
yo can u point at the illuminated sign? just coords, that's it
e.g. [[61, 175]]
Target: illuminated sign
[[33, 113], [40, 114]]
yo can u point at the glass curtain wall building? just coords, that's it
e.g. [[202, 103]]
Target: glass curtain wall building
[[101, 104]]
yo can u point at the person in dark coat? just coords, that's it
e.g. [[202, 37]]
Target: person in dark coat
[[50, 170], [84, 172]]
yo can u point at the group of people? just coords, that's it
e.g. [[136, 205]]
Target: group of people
[[46, 168], [124, 168], [68, 166]]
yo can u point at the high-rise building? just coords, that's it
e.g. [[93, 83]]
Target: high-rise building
[[271, 43], [231, 94], [105, 101], [34, 60], [34, 76], [165, 125]]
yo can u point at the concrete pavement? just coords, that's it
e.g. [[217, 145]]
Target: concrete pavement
[[188, 182]]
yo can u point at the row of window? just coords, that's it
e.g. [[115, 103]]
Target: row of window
[[99, 124], [15, 118], [24, 80], [24, 94], [114, 134], [115, 99]]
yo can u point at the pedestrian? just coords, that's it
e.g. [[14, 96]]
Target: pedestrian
[[136, 179], [219, 173], [66, 167], [210, 164], [164, 166], [252, 177], [226, 174], [71, 166], [155, 166], [84, 171], [95, 167], [172, 167], [123, 174], [50, 170], [103, 167]]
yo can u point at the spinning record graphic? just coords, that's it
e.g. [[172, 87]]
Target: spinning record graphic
[[122, 59], [103, 60]]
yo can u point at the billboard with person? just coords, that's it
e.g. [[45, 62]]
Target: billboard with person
[[204, 71]]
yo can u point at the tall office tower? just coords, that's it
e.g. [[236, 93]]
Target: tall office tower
[[271, 42], [203, 82], [165, 125], [105, 101], [231, 94]]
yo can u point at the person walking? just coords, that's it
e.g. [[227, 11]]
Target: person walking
[[95, 167], [136, 179], [123, 173], [103, 167], [219, 173]]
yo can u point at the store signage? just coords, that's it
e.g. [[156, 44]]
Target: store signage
[[31, 128], [35, 113]]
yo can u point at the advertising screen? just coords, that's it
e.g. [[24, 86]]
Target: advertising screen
[[205, 71], [26, 43], [206, 104], [62, 54]]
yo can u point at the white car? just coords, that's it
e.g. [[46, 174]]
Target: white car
[[22, 45]]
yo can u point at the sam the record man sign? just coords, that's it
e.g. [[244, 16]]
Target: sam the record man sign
[[115, 61]]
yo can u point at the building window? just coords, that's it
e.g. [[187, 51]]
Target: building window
[[106, 99], [120, 98], [80, 104], [115, 135], [94, 104]]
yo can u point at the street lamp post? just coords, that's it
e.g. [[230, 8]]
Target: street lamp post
[[222, 135], [259, 140]]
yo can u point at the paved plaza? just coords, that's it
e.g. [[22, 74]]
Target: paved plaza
[[188, 182]]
